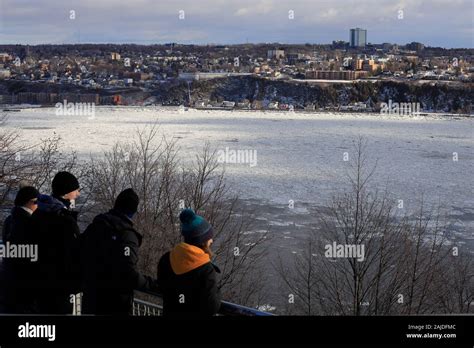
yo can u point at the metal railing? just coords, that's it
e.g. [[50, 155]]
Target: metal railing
[[145, 308], [232, 309], [226, 309]]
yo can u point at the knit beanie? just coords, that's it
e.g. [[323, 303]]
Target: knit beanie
[[194, 228], [25, 194], [64, 183], [127, 202]]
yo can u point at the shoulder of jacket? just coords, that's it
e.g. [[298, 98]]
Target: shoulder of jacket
[[165, 256], [100, 220], [7, 220], [18, 211], [164, 259], [207, 268], [130, 233]]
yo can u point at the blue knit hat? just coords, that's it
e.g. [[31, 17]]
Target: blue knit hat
[[194, 228]]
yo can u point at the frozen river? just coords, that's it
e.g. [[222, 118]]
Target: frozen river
[[299, 156]]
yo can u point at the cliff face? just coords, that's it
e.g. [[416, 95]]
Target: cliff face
[[432, 96], [439, 97]]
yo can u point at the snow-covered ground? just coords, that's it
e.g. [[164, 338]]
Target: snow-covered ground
[[300, 156]]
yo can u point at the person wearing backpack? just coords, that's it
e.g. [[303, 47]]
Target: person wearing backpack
[[109, 256]]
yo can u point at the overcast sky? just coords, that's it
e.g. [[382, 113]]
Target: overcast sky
[[445, 23]]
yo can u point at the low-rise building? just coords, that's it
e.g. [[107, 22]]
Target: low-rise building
[[4, 74], [189, 76], [335, 75], [276, 54], [5, 57], [115, 56]]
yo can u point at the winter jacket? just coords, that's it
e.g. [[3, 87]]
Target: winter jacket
[[109, 248], [16, 228], [18, 272], [57, 235], [188, 282]]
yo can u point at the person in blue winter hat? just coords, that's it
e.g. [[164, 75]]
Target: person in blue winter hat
[[186, 275], [195, 229]]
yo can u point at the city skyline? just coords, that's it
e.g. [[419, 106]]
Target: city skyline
[[225, 22]]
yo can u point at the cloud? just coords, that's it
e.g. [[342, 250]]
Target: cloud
[[436, 22], [242, 11], [330, 13]]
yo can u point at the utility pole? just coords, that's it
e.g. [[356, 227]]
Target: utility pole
[[189, 92]]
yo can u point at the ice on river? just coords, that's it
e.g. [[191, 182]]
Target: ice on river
[[299, 156]]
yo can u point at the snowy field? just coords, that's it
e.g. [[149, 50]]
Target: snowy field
[[300, 156]]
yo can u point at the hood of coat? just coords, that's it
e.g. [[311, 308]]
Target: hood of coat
[[50, 204], [186, 257]]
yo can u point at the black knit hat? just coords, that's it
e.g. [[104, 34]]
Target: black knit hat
[[194, 228], [127, 202], [25, 194], [63, 183]]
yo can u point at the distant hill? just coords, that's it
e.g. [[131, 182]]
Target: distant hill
[[433, 96]]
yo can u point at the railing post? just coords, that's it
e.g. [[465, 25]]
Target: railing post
[[77, 305]]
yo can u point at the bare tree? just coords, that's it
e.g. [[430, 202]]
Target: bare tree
[[407, 265], [456, 288], [165, 185], [34, 164], [301, 280]]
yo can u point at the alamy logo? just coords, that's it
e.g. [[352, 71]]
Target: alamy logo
[[352, 251], [37, 331], [392, 108], [231, 156], [19, 251], [75, 109]]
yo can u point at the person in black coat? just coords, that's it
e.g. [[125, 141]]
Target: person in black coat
[[186, 274], [109, 260], [17, 273], [56, 232]]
